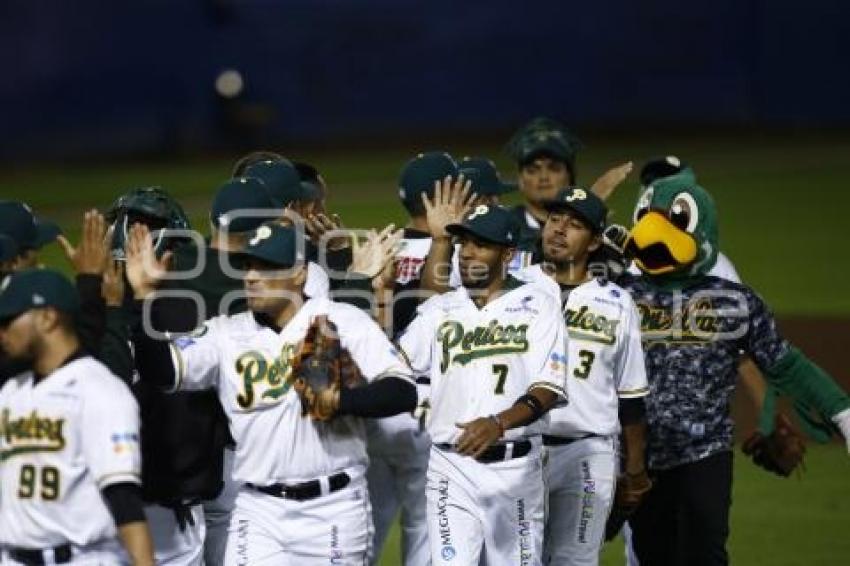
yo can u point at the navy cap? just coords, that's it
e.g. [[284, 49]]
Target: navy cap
[[491, 223], [275, 244], [661, 167], [584, 203], [8, 248], [242, 193], [19, 223], [282, 181], [36, 288], [484, 176], [420, 173]]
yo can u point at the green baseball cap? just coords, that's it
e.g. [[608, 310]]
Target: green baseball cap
[[36, 288], [236, 195], [278, 245], [491, 223], [420, 173], [484, 176], [544, 137], [583, 202], [18, 222], [8, 248], [662, 167], [282, 181]]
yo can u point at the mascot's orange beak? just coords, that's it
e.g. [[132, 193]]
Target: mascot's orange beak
[[659, 246]]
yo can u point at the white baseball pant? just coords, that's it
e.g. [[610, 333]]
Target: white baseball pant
[[580, 478], [335, 528], [485, 514]]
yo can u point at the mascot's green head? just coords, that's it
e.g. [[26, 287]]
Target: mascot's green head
[[675, 229]]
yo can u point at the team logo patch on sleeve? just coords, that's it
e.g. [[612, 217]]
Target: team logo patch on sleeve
[[124, 442]]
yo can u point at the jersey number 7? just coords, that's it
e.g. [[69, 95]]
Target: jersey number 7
[[501, 372]]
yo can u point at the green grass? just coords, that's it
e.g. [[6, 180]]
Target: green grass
[[782, 522], [782, 199]]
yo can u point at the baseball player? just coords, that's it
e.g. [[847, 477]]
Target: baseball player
[[69, 438], [29, 233], [302, 496], [606, 380], [494, 351], [398, 446]]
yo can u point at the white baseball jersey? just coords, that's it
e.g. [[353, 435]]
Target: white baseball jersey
[[481, 360], [62, 441], [250, 366], [604, 355]]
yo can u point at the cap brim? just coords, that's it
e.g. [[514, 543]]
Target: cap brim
[[556, 206], [464, 230], [544, 151], [8, 248], [47, 232]]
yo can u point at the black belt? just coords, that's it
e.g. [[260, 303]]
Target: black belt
[[302, 491], [562, 440], [497, 452], [62, 554]]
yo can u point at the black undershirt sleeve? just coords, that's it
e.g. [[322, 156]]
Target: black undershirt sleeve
[[381, 398], [632, 411], [124, 501], [153, 357]]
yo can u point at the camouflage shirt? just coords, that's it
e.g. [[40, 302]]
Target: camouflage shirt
[[693, 339]]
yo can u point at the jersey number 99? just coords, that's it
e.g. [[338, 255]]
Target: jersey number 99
[[29, 481]]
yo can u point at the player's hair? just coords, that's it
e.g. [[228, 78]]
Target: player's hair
[[414, 207], [254, 157]]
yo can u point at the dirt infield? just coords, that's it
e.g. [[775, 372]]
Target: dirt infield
[[825, 340]]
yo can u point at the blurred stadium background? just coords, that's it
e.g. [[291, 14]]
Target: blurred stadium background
[[98, 97]]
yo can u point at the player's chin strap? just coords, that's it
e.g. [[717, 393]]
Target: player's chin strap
[[817, 398]]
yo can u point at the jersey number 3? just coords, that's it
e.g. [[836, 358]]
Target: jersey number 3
[[49, 481], [586, 358]]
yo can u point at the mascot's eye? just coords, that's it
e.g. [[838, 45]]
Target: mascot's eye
[[642, 206], [684, 213]]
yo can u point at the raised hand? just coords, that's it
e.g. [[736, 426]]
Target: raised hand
[[372, 256], [317, 225], [92, 254], [611, 179], [144, 270], [451, 201]]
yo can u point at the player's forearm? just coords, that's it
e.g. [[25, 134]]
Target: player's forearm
[[381, 398], [438, 265], [136, 538], [632, 416], [124, 501], [525, 411], [753, 382], [153, 357]]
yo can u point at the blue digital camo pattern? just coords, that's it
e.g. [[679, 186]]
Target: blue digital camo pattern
[[692, 344]]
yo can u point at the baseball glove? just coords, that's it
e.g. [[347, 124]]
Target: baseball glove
[[631, 489], [779, 452], [321, 367]]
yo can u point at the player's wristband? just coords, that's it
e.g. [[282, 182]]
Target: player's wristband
[[498, 420], [532, 403]]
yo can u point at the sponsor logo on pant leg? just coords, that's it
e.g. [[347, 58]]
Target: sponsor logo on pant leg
[[448, 551], [242, 542], [589, 490], [336, 552], [524, 534]]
